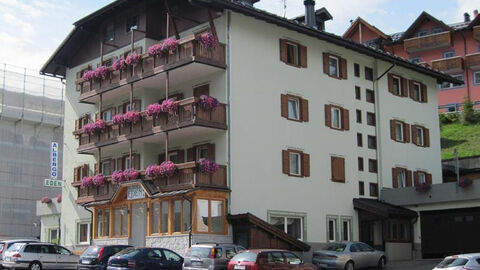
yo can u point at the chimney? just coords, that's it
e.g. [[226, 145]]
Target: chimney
[[475, 13], [466, 17], [310, 19]]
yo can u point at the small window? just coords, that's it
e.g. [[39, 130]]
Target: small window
[[372, 165], [421, 177], [437, 30], [53, 236], [417, 91], [401, 177], [420, 136], [358, 93], [106, 169], [360, 164], [415, 60], [332, 229], [293, 108], [371, 119], [372, 142], [359, 140], [370, 96], [397, 85], [292, 54], [476, 77], [173, 157], [333, 66], [399, 131], [109, 34], [449, 54], [336, 118], [83, 233], [107, 115], [422, 33], [373, 190], [292, 225], [361, 188], [346, 229], [132, 23], [368, 74], [295, 167], [359, 116], [202, 151], [356, 70]]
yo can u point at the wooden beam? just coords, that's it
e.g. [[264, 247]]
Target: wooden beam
[[170, 17]]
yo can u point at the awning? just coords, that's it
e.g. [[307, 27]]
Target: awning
[[382, 209]]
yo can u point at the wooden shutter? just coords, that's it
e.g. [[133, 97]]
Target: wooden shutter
[[428, 178], [283, 50], [304, 110], [325, 63], [426, 139], [191, 154], [392, 130], [76, 174], [328, 115], [415, 178], [303, 56], [343, 68], [305, 165], [120, 164], [338, 169], [96, 168], [201, 90], [284, 105], [411, 87], [414, 134], [345, 119], [390, 83], [395, 177], [404, 87], [285, 162], [424, 93], [406, 132], [408, 175]]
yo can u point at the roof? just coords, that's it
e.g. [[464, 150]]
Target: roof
[[418, 22], [321, 14], [382, 209], [359, 20]]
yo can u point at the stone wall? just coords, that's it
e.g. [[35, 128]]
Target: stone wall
[[180, 243]]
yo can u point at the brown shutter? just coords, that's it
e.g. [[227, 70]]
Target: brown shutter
[[305, 165], [325, 63], [424, 93], [410, 88], [181, 156], [161, 158], [304, 113], [409, 178], [76, 174], [338, 169], [285, 162], [428, 178], [346, 119], [191, 154], [414, 134], [284, 105], [201, 90], [96, 168], [394, 178], [120, 163], [303, 56], [404, 87], [406, 132], [390, 83], [328, 115], [415, 178], [426, 139], [211, 151], [283, 50], [112, 165], [343, 68], [392, 130]]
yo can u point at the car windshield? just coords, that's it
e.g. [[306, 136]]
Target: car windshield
[[451, 262], [338, 247], [245, 257], [128, 252], [199, 252], [15, 247], [91, 251]]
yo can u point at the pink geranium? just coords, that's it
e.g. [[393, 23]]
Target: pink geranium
[[133, 59], [208, 40], [88, 128], [169, 105], [155, 49], [88, 75], [118, 119], [87, 181], [118, 177], [153, 109], [169, 45], [207, 166], [119, 64], [99, 180], [167, 169], [131, 174], [46, 200], [99, 126], [208, 102], [131, 117], [152, 171], [101, 72]]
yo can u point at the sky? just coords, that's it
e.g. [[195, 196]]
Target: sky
[[31, 30]]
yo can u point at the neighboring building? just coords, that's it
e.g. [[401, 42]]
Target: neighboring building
[[31, 118], [307, 122], [49, 214], [453, 49]]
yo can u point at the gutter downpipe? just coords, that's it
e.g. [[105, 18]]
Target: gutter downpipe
[[229, 104], [91, 223]]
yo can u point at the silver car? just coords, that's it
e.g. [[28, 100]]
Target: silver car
[[6, 244], [469, 261], [210, 256], [349, 256], [38, 256]]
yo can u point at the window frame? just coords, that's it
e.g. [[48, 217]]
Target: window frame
[[297, 108], [392, 236], [296, 53], [334, 219], [285, 222], [451, 85], [170, 216], [399, 80], [358, 93], [361, 188], [370, 96], [401, 177], [195, 216], [337, 61], [299, 162], [349, 221], [356, 70], [359, 139], [340, 120], [475, 82], [445, 54], [401, 133], [372, 168], [422, 33], [424, 176], [79, 224], [360, 164], [422, 137], [122, 226], [358, 116], [417, 89], [372, 117], [368, 73], [372, 138], [373, 189]]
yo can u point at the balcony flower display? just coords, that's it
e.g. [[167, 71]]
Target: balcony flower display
[[131, 117], [152, 171], [207, 166], [119, 64], [133, 59], [88, 128], [169, 105], [87, 181], [167, 169], [99, 126], [208, 41], [101, 72], [169, 45], [45, 200], [208, 103], [153, 109], [131, 174], [59, 198], [155, 49], [422, 187], [118, 119], [118, 177], [465, 182], [99, 180], [88, 75]]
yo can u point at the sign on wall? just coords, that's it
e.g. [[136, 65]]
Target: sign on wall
[[135, 192], [54, 161], [52, 183]]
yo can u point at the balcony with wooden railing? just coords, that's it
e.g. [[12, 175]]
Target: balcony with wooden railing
[[187, 176], [449, 65], [434, 41], [473, 60], [189, 113], [190, 58], [476, 32]]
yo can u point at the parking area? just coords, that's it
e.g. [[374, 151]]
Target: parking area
[[412, 265]]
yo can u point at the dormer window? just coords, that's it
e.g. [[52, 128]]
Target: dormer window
[[422, 33]]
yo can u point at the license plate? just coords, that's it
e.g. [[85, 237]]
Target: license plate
[[7, 259], [239, 267], [85, 261], [197, 263]]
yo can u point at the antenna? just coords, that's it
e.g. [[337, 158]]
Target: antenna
[[284, 8]]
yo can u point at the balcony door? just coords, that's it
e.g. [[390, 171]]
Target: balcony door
[[139, 224]]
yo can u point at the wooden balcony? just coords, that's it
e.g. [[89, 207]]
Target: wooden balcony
[[449, 65], [473, 60], [429, 42], [476, 32], [189, 114], [189, 51], [187, 177]]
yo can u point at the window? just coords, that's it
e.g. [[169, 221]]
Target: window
[[292, 53], [437, 30], [370, 96], [120, 218], [372, 165], [336, 118], [106, 167], [422, 33], [398, 230], [296, 163], [476, 77], [291, 225], [338, 169], [401, 178], [171, 256], [173, 157], [210, 216], [103, 223], [359, 140], [415, 60], [419, 136], [361, 188], [179, 217], [292, 259], [164, 214], [53, 236], [359, 116], [360, 164], [356, 70], [373, 190], [371, 119], [368, 74], [397, 86], [109, 34], [399, 131], [202, 152], [83, 233], [132, 22], [107, 115], [332, 229], [447, 85], [418, 91], [346, 229], [333, 66], [155, 217], [293, 108], [421, 177], [358, 93], [449, 54], [372, 142]]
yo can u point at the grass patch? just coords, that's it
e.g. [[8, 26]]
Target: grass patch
[[466, 138]]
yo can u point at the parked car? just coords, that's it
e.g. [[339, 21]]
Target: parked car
[[349, 256], [6, 244], [210, 256], [460, 262], [267, 259], [96, 257], [145, 258], [38, 256]]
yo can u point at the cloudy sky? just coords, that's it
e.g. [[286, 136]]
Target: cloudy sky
[[30, 30]]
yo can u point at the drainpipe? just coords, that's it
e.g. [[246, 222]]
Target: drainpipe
[[229, 106], [91, 223], [191, 220], [467, 80]]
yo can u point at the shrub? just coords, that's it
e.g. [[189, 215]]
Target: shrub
[[470, 116]]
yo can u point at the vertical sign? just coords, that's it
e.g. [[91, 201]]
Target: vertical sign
[[54, 161]]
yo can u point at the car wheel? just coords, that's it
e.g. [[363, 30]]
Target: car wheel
[[349, 266], [35, 266], [381, 263]]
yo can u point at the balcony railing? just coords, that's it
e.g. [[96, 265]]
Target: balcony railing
[[189, 114], [473, 60], [187, 177], [476, 32], [452, 64], [429, 42], [188, 51]]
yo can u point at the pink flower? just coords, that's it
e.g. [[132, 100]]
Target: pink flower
[[118, 119], [59, 198], [207, 166], [152, 171], [118, 177], [153, 109], [208, 102], [88, 75], [208, 40], [88, 128], [133, 59], [131, 117], [46, 200], [131, 174], [119, 64], [167, 169], [87, 181], [169, 45], [169, 105], [101, 72], [99, 180], [99, 126], [155, 49]]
